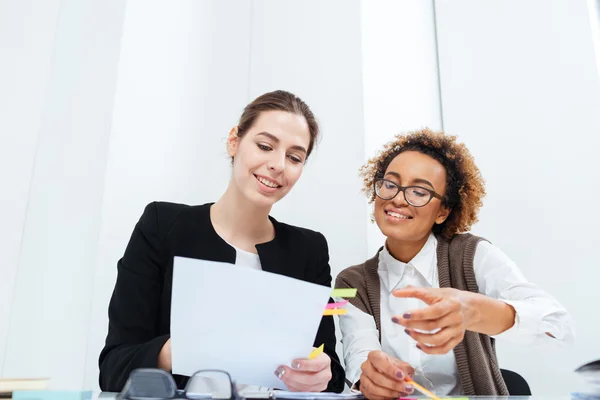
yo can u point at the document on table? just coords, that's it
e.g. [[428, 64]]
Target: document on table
[[240, 320], [282, 394]]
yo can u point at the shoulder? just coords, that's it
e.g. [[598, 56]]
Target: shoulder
[[459, 244], [162, 216], [486, 256], [481, 246], [361, 277], [165, 211], [489, 254], [299, 235], [463, 239], [351, 277]]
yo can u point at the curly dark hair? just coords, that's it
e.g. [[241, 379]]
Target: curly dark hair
[[465, 187]]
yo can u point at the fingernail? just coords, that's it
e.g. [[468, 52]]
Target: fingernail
[[395, 320], [408, 388], [279, 372], [295, 365], [407, 316], [399, 374], [407, 332]]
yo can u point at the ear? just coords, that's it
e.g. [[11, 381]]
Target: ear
[[233, 141], [442, 215]]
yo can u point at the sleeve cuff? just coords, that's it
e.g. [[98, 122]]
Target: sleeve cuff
[[526, 324]]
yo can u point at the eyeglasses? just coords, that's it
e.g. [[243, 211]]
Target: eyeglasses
[[155, 384], [416, 196]]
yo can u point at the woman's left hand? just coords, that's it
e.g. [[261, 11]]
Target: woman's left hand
[[306, 375], [450, 313]]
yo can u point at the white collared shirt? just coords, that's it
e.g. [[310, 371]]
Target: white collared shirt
[[250, 260], [497, 276]]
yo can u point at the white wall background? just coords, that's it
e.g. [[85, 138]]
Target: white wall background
[[65, 60], [400, 78], [26, 41], [594, 7], [106, 106], [526, 100]]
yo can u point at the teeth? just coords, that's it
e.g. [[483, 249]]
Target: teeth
[[393, 214], [268, 183]]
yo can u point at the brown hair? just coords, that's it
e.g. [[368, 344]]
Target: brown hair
[[465, 187], [279, 100]]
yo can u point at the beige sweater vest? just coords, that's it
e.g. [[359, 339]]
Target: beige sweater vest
[[476, 355]]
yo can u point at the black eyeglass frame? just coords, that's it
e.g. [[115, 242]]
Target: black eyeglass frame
[[402, 189]]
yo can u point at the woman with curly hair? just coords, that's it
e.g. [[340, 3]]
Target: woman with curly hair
[[433, 287]]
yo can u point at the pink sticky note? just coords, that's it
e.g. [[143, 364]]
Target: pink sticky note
[[336, 305]]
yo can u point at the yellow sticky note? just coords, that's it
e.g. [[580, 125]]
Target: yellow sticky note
[[334, 311], [347, 293], [316, 352]]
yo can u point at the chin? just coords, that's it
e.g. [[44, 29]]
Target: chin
[[260, 200], [397, 234], [394, 232]]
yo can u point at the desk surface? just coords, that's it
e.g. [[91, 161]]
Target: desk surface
[[109, 396]]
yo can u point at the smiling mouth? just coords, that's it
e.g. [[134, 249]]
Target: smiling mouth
[[396, 215], [267, 182]]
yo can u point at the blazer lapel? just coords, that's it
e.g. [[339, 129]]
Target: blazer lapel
[[277, 256], [209, 246]]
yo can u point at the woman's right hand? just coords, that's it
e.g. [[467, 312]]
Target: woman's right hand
[[164, 357], [385, 377]]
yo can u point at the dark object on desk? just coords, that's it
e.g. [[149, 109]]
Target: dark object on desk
[[157, 384], [149, 383], [593, 366], [516, 384], [588, 385]]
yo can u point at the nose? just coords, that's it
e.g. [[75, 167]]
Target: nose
[[276, 162], [400, 200]]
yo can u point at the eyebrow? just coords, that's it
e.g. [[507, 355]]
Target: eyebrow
[[418, 180], [276, 140]]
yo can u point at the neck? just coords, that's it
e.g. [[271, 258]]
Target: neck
[[238, 221], [405, 251]]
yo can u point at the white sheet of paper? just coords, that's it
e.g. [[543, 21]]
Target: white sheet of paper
[[282, 394], [244, 321]]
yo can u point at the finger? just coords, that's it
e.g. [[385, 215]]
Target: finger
[[381, 362], [437, 339], [372, 391], [451, 319], [443, 349], [307, 381], [302, 378], [381, 380], [428, 295], [293, 387], [436, 311], [319, 363], [409, 371]]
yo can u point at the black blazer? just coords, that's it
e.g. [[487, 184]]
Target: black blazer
[[140, 306]]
